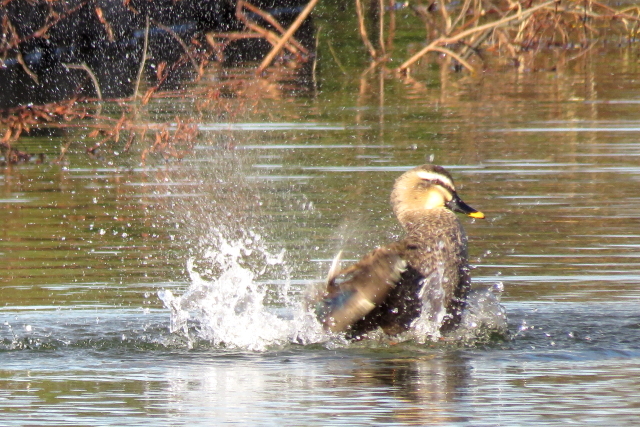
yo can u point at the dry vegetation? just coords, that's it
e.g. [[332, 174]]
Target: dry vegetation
[[464, 32], [467, 31], [131, 129]]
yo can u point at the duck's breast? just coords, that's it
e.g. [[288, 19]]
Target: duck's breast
[[437, 249]]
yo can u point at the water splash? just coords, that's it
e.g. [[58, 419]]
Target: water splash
[[427, 326], [231, 311], [484, 315], [236, 310], [240, 294]]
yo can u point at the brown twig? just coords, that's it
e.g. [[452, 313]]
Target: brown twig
[[392, 25], [335, 58], [268, 35], [52, 20], [105, 24], [182, 44], [374, 64], [445, 17], [143, 60], [286, 36], [271, 20], [363, 30], [456, 37], [381, 26], [26, 69], [91, 75], [455, 56]]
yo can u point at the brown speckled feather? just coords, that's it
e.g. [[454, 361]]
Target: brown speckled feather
[[427, 270]]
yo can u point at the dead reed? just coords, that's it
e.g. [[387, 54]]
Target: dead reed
[[128, 125], [467, 31]]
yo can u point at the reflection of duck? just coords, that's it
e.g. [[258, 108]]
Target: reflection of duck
[[424, 388], [424, 275]]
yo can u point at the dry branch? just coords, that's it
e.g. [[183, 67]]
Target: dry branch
[[363, 30], [286, 36], [444, 40], [196, 66]]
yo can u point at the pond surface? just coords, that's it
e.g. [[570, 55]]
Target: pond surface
[[242, 234]]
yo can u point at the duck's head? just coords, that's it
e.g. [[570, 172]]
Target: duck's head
[[424, 188]]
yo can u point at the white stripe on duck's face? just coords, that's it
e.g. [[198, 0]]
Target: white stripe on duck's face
[[435, 177], [422, 195], [420, 190]]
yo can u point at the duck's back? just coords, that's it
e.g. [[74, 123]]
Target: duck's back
[[436, 279]]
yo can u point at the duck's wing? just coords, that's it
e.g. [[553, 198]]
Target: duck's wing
[[353, 292], [335, 268]]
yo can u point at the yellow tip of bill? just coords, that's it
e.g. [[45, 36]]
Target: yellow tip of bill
[[477, 214]]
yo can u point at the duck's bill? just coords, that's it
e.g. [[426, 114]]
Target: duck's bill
[[457, 205]]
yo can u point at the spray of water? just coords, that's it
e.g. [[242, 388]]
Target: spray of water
[[231, 311], [239, 294], [232, 300]]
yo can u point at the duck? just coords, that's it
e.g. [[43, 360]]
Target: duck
[[425, 274]]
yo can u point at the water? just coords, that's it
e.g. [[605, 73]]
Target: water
[[237, 239]]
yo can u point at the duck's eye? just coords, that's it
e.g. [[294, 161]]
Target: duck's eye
[[436, 186], [445, 185], [423, 185]]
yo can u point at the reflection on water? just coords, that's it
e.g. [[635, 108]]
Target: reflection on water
[[84, 339], [401, 386]]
